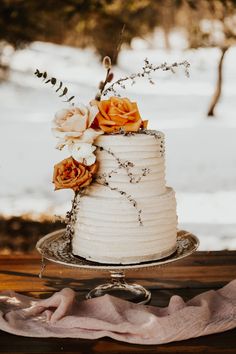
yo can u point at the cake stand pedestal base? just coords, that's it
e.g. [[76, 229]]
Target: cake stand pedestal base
[[117, 286], [56, 247]]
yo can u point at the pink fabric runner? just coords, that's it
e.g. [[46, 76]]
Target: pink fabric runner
[[62, 315]]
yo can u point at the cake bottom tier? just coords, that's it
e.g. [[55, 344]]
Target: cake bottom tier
[[108, 231]]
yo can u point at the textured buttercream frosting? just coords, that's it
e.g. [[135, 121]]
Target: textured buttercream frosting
[[128, 214]]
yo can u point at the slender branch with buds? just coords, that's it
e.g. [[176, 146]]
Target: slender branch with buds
[[146, 71], [109, 76]]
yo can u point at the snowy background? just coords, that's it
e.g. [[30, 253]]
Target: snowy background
[[200, 152]]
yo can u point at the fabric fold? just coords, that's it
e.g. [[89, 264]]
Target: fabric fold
[[62, 315]]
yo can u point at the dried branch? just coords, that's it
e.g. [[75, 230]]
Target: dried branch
[[109, 76], [107, 63], [102, 181], [119, 43], [146, 71]]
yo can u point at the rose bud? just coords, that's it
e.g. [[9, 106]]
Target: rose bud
[[101, 83], [106, 62], [110, 77]]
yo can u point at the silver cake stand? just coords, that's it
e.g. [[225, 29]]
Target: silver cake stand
[[56, 248]]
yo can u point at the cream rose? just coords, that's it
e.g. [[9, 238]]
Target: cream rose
[[74, 124], [72, 128]]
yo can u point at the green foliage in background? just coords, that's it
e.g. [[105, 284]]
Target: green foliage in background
[[98, 23], [95, 23]]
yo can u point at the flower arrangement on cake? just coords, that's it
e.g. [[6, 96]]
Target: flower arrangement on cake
[[114, 162]]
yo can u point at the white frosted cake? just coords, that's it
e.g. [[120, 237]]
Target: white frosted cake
[[127, 215], [122, 211]]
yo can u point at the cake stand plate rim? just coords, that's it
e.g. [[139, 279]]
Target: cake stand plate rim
[[187, 243]]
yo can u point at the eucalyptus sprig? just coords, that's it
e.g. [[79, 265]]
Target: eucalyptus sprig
[[146, 71], [60, 88]]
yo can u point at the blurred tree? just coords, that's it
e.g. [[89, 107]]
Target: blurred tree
[[98, 24], [22, 22], [101, 26], [95, 23], [210, 24]]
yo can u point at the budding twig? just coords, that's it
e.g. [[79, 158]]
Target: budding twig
[[146, 71], [109, 76], [107, 63]]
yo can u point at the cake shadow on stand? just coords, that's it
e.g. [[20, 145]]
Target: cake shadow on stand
[[56, 248]]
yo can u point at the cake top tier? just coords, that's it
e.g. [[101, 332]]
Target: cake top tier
[[149, 143], [144, 137]]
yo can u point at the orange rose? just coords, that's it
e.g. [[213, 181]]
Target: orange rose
[[118, 113], [72, 174]]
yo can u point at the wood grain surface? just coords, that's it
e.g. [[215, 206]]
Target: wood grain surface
[[188, 277]]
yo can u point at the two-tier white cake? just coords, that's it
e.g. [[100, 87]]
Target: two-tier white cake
[[122, 212], [127, 215]]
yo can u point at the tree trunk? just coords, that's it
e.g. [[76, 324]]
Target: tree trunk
[[217, 94]]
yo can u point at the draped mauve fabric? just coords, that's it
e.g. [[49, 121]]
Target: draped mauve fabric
[[62, 315]]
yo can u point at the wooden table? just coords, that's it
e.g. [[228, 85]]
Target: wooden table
[[189, 277]]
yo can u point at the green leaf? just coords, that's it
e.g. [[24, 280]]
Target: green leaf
[[60, 86], [54, 81], [64, 92], [70, 99]]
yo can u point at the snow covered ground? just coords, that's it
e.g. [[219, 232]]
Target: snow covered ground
[[200, 152]]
